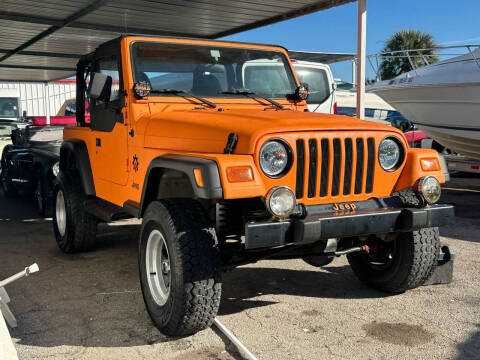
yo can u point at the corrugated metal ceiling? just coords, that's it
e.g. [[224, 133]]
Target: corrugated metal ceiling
[[41, 41]]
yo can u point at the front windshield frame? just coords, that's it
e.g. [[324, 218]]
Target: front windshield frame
[[289, 72]]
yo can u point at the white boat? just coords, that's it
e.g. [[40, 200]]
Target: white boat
[[442, 99]]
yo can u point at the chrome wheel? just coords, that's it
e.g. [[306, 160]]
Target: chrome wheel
[[60, 213], [157, 262]]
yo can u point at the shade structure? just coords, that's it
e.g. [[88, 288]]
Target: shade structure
[[42, 40], [320, 57]]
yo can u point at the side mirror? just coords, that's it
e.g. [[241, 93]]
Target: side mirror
[[100, 87], [334, 86], [302, 92]]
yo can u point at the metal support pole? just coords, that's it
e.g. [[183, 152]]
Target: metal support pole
[[361, 49], [47, 98], [354, 71]]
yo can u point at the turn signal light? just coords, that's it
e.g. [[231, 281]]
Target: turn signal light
[[239, 174], [198, 177], [430, 164]]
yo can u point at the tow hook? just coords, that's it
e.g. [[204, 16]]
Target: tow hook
[[363, 248]]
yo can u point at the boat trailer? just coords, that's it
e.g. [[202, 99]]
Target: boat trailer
[[7, 348]]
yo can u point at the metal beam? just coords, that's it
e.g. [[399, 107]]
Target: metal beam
[[42, 53], [131, 30], [361, 49], [13, 16], [82, 25], [92, 7], [35, 67]]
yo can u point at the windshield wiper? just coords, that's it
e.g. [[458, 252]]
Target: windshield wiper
[[180, 91], [248, 92]]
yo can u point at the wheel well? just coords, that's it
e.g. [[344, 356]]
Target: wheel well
[[74, 156], [67, 161], [164, 183]]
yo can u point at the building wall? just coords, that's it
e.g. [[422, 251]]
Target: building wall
[[34, 97]]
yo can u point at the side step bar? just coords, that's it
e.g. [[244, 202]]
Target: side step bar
[[105, 211]]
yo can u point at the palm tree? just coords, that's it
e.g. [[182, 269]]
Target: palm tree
[[392, 66]]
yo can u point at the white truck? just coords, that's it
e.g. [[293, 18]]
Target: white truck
[[321, 85], [10, 114]]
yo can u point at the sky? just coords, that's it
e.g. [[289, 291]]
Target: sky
[[451, 22]]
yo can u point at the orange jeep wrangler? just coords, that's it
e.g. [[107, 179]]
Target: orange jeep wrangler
[[212, 145]]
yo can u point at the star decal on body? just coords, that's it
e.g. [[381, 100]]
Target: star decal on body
[[135, 163]]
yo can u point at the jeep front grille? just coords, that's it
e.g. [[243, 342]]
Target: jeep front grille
[[334, 167]]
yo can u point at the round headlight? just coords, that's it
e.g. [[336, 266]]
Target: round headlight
[[281, 201], [389, 154], [429, 188], [274, 158], [56, 169]]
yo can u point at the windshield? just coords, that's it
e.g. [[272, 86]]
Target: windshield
[[210, 70], [9, 108]]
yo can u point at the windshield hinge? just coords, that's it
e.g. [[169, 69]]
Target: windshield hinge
[[231, 143]]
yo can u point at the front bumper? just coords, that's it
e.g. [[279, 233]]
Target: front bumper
[[366, 221]]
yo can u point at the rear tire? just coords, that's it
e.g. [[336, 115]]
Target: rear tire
[[9, 189], [412, 262], [40, 194], [74, 228], [179, 267]]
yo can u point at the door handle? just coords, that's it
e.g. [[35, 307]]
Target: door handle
[[98, 142]]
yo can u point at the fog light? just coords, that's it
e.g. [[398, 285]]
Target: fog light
[[429, 188], [280, 201]]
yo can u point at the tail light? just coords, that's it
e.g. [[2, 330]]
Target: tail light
[[335, 109]]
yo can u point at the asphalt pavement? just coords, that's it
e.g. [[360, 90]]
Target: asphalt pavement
[[89, 306]]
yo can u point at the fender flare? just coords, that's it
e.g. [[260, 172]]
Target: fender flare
[[212, 186], [82, 163]]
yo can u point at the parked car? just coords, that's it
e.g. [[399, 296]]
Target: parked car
[[30, 164], [65, 116]]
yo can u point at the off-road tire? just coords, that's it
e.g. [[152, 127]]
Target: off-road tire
[[9, 189], [413, 263], [81, 227], [195, 285], [408, 197], [318, 261]]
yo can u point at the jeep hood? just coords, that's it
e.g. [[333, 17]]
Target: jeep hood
[[207, 130]]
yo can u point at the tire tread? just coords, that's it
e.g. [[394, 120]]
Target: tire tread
[[195, 241]]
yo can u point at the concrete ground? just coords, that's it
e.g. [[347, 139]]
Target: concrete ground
[[89, 306]]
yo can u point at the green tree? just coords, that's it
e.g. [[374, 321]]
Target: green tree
[[397, 64]]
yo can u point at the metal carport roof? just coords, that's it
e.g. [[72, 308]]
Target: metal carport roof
[[320, 57], [42, 40]]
